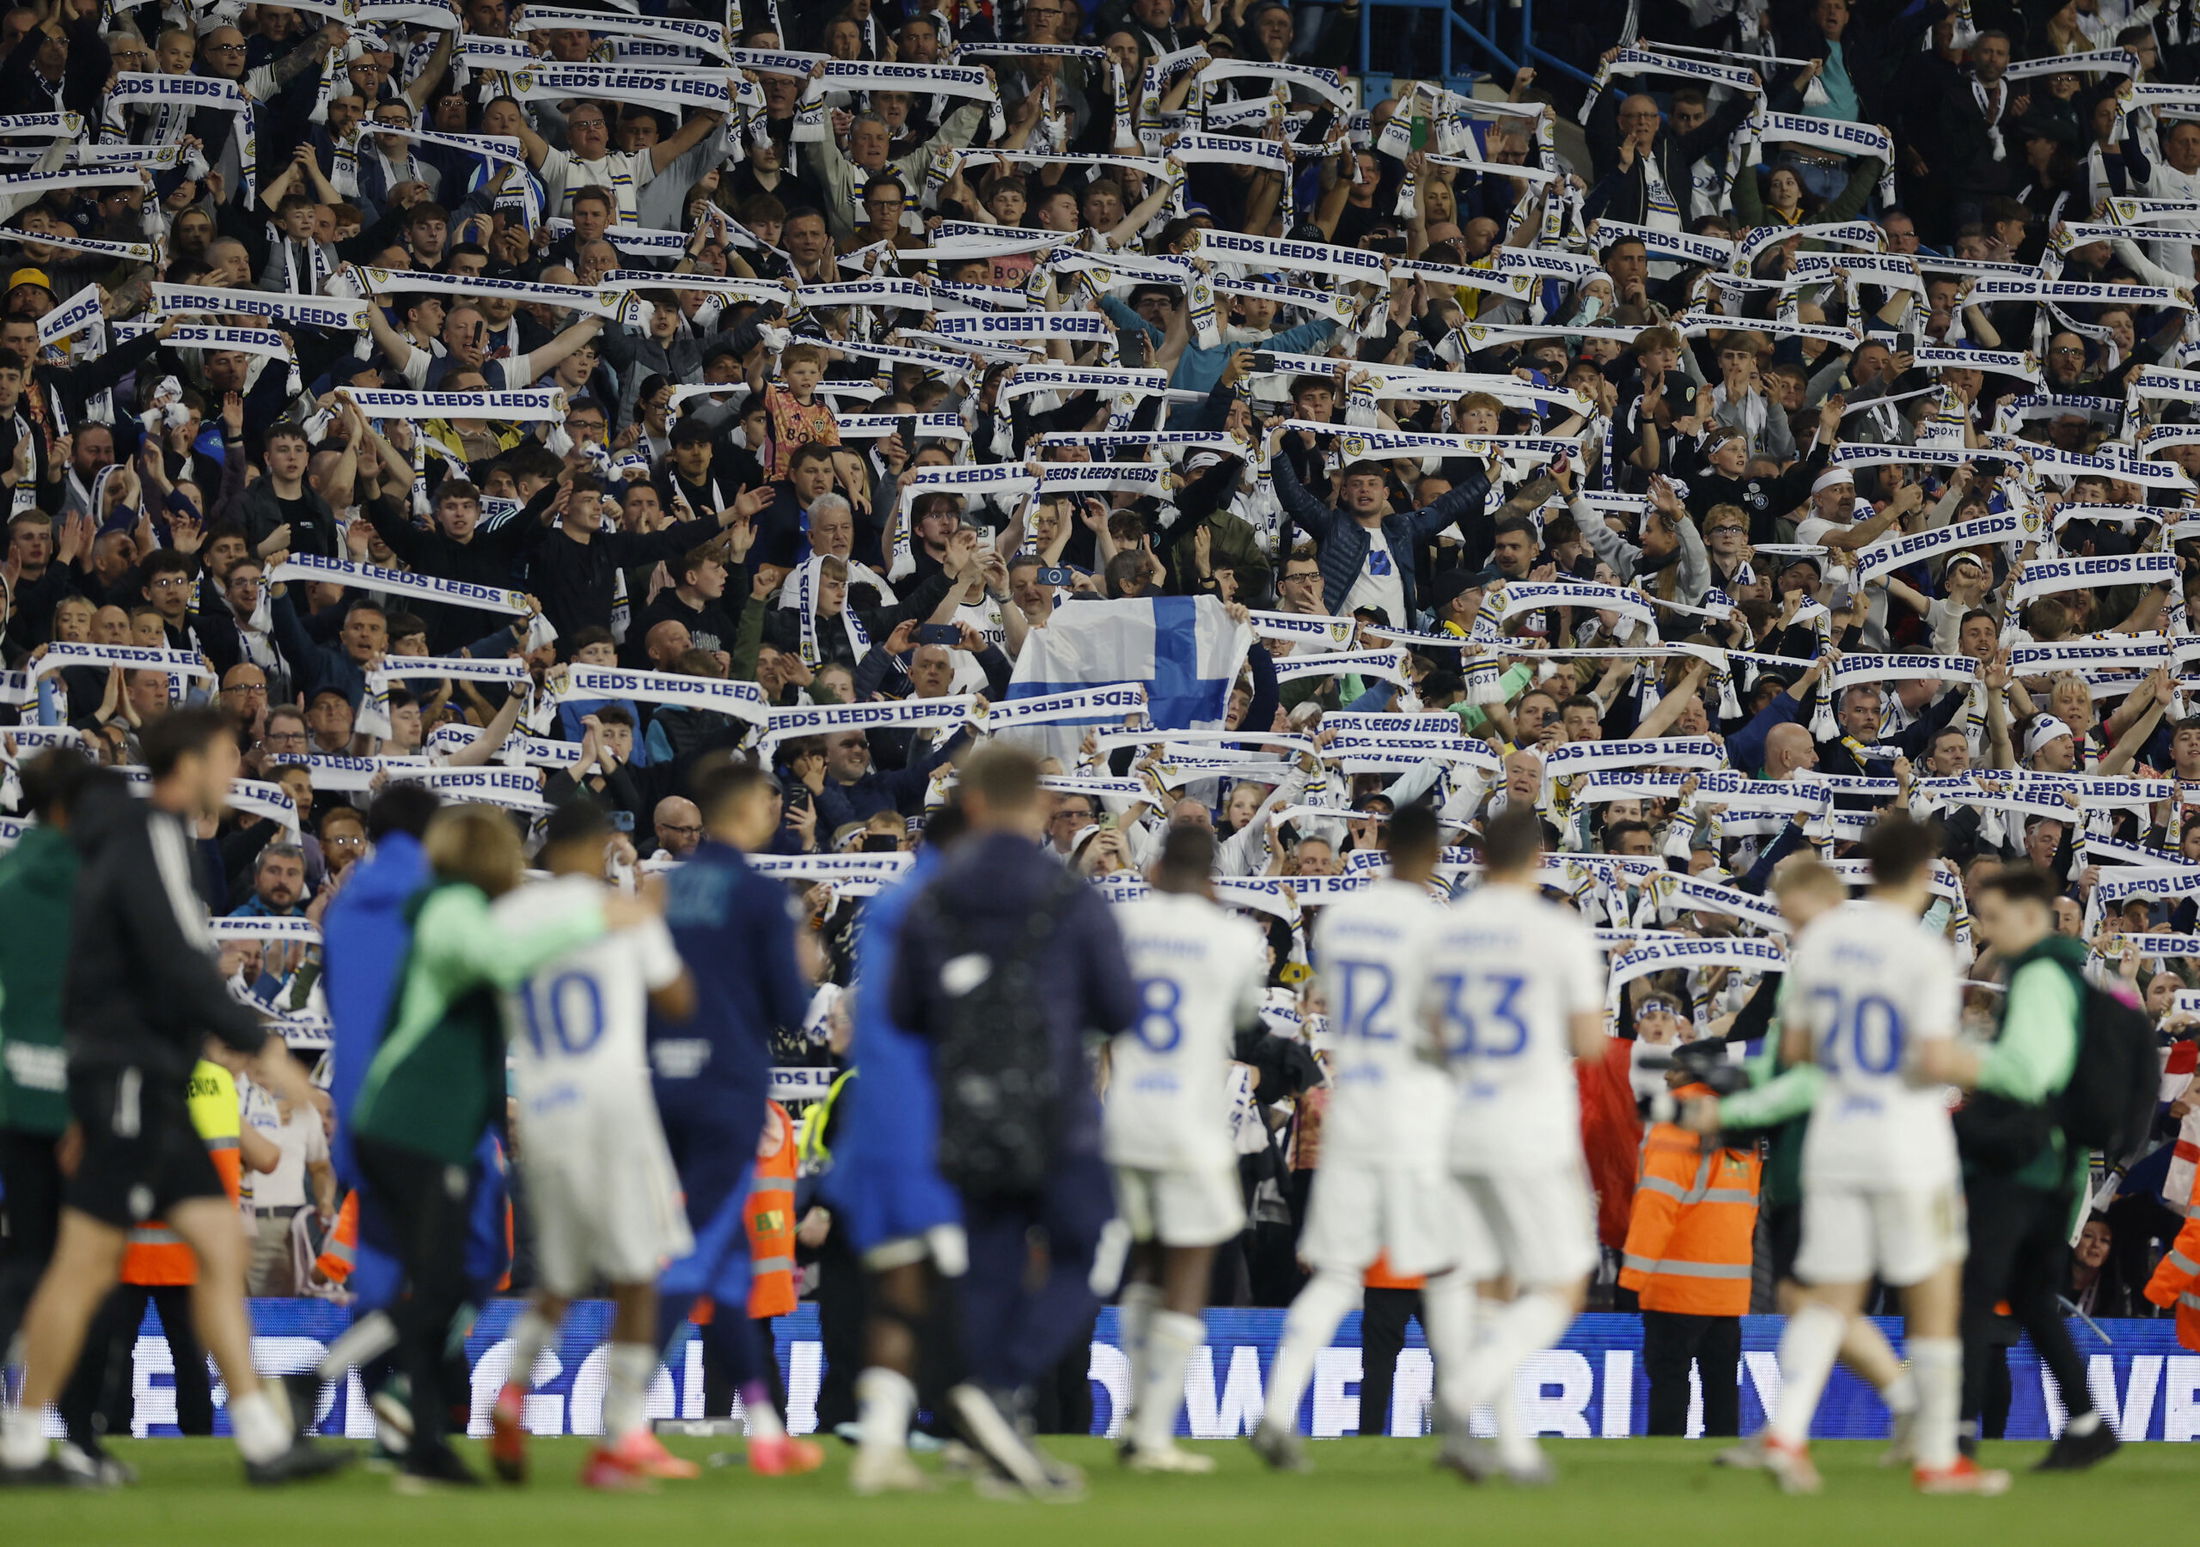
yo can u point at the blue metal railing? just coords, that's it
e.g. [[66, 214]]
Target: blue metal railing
[[1465, 49], [1534, 53]]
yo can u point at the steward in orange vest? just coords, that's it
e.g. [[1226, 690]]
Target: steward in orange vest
[[769, 1215], [1690, 1249], [1389, 1301], [2176, 1278]]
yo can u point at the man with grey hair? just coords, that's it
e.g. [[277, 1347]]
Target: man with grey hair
[[845, 174]]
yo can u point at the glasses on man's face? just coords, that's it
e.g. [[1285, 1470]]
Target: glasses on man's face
[[284, 738], [343, 841], [247, 688], [224, 48], [681, 829], [171, 582], [2067, 349]]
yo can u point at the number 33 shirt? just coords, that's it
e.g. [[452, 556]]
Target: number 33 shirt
[[1510, 972], [1201, 973], [1867, 982]]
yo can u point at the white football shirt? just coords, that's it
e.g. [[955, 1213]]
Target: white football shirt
[[1390, 1102], [578, 1027], [1200, 973], [1509, 972], [1868, 983]]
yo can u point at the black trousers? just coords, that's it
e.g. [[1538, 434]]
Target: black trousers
[[101, 1395], [1383, 1317], [1062, 1401], [428, 1203], [843, 1302], [30, 1174], [1671, 1343], [2020, 1250]]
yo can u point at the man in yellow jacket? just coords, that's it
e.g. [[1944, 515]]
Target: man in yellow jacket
[[1689, 1253]]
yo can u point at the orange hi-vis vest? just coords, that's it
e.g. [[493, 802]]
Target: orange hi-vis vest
[[1380, 1277], [1691, 1242], [769, 1215], [2176, 1278], [340, 1247], [153, 1254]]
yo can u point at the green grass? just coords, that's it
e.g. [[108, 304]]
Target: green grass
[[1625, 1493]]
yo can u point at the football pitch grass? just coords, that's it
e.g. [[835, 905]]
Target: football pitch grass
[[1620, 1493]]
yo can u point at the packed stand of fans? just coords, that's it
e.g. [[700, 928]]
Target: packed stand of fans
[[1808, 436]]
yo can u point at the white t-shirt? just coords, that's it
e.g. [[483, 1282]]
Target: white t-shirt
[[1868, 982], [302, 1140], [1389, 1103], [1200, 973], [1378, 584], [1510, 971], [578, 1027], [621, 172]]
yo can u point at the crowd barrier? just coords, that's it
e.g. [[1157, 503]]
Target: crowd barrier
[[1591, 1386]]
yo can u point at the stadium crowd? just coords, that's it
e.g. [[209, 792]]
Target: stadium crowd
[[537, 405]]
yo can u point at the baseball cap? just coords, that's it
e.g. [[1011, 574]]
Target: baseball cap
[[36, 277], [2042, 729], [1446, 588]]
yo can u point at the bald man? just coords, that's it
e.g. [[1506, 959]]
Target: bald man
[[1789, 751], [244, 697], [679, 826]]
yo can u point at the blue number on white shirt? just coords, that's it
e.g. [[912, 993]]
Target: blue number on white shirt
[[1498, 1007], [1157, 1025], [1363, 994], [551, 1016], [1871, 1026]]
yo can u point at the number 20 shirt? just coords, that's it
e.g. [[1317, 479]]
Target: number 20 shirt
[[1867, 981]]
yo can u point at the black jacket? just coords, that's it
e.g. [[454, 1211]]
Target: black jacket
[[577, 582], [1624, 195], [141, 988], [492, 558]]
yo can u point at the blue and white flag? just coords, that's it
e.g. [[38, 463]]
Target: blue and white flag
[[1184, 650]]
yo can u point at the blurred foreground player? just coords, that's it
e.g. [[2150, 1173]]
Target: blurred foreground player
[[735, 929], [141, 998], [1201, 974], [600, 1184], [1380, 1190], [1520, 995], [437, 1083]]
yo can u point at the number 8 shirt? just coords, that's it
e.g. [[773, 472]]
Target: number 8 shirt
[[1201, 973]]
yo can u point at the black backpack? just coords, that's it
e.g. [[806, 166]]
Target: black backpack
[[2107, 1106], [2109, 1103], [993, 1056]]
